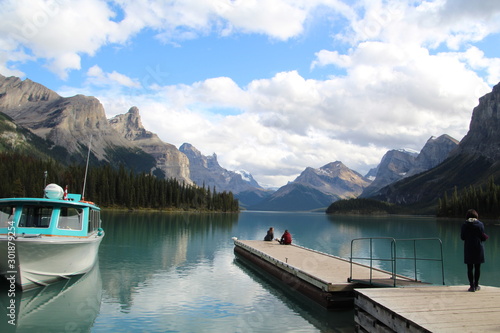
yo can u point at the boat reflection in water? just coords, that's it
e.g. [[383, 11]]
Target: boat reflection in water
[[64, 306]]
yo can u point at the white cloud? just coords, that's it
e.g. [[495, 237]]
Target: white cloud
[[476, 59], [58, 31], [97, 76], [427, 23], [287, 123], [409, 70], [278, 19]]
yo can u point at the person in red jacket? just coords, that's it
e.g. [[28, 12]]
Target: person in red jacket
[[286, 238]]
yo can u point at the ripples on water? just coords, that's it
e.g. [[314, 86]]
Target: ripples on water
[[178, 273]]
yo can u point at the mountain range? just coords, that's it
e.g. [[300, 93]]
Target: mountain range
[[474, 161], [399, 164], [316, 188], [38, 120], [34, 118]]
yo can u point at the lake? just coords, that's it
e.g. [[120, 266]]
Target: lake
[[176, 272]]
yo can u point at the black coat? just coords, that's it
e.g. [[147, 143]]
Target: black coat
[[269, 236], [473, 235]]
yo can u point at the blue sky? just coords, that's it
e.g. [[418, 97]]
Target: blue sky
[[270, 86]]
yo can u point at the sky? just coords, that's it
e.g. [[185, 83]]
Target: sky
[[271, 86]]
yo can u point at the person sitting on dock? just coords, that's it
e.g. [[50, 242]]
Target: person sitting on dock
[[286, 239], [270, 234]]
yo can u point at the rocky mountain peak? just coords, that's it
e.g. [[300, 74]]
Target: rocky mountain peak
[[483, 137], [394, 166], [67, 122], [169, 159], [316, 188], [16, 93], [205, 170], [194, 155], [472, 163], [70, 122], [334, 178], [130, 125], [340, 170], [247, 176], [198, 160], [400, 164], [435, 151]]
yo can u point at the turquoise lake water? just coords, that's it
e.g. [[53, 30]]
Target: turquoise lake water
[[178, 273]]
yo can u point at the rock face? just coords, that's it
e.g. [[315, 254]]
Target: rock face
[[67, 122], [206, 171], [15, 93], [394, 166], [169, 159], [435, 151], [71, 122], [472, 163], [247, 177], [10, 137], [483, 137], [334, 178], [400, 164], [316, 188]]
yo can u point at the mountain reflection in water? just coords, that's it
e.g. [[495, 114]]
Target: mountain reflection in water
[[178, 272]]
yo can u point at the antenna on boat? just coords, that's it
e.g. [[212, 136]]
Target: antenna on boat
[[86, 169], [44, 182]]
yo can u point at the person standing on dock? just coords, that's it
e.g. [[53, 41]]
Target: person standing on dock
[[473, 235], [269, 235], [286, 239]]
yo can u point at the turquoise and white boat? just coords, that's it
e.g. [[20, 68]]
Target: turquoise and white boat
[[43, 240]]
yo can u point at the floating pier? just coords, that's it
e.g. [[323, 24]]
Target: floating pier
[[427, 309], [322, 277], [337, 283]]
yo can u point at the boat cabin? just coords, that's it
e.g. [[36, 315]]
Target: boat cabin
[[32, 217]]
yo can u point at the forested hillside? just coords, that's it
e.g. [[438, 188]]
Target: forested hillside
[[484, 199], [107, 186]]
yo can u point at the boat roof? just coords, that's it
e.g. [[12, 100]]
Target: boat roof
[[45, 201]]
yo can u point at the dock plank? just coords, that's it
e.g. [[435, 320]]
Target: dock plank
[[332, 271], [434, 309]]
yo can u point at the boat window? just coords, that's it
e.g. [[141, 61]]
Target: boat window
[[6, 215], [70, 218], [35, 217], [94, 221]]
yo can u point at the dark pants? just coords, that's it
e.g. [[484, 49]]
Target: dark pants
[[473, 273]]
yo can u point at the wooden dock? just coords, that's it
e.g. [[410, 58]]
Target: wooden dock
[[427, 309], [320, 276], [414, 307]]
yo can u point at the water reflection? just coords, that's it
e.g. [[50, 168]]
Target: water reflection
[[322, 319], [139, 245], [177, 272], [65, 306]]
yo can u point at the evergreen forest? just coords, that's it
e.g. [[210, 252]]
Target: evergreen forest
[[107, 186], [484, 199], [362, 206]]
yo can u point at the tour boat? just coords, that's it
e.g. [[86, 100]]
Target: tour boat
[[43, 240]]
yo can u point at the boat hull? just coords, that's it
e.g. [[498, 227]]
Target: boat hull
[[42, 260]]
